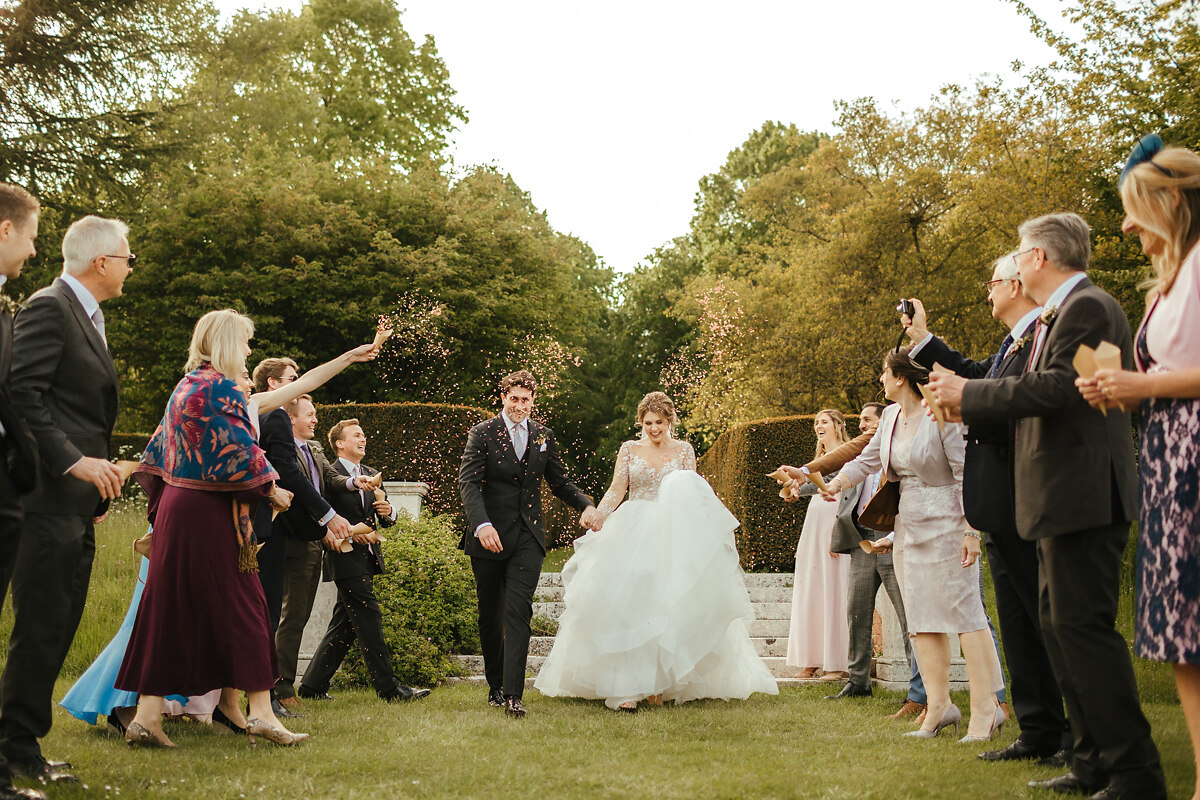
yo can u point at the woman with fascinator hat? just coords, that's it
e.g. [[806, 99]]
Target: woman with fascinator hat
[[1160, 190], [656, 603]]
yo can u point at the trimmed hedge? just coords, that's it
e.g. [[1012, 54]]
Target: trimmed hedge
[[736, 466]]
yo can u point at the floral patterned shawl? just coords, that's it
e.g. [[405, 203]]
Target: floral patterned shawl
[[205, 441]]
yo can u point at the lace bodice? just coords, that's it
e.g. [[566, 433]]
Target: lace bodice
[[641, 468]]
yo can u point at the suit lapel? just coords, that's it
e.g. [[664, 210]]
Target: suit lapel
[[89, 329], [885, 445], [1041, 355]]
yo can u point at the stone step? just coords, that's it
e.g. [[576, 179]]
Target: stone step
[[758, 594], [761, 580], [770, 628], [770, 647], [762, 611], [474, 665]]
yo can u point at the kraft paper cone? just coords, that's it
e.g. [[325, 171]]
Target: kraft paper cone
[[787, 492], [381, 336], [1108, 356], [818, 481], [1085, 364], [376, 480], [942, 370], [380, 496], [938, 413], [779, 476]]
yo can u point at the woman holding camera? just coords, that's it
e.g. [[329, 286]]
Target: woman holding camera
[[936, 554]]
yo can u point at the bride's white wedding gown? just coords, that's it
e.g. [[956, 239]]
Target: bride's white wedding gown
[[656, 601]]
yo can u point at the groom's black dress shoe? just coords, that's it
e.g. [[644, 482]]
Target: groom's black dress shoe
[[42, 770], [1068, 783], [1060, 759], [850, 690], [281, 711], [1017, 751], [11, 792], [513, 707], [402, 692], [306, 693], [495, 698]]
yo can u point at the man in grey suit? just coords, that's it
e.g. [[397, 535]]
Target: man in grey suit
[[868, 571], [1075, 491], [64, 384]]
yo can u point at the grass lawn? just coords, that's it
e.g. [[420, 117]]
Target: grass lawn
[[453, 745]]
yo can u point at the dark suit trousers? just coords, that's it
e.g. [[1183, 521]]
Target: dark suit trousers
[[504, 588], [49, 585], [1078, 577], [1036, 699], [303, 574], [869, 571], [272, 564], [356, 616], [10, 540]]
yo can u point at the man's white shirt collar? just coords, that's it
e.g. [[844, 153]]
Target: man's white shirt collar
[[1025, 322], [349, 465], [510, 424], [86, 299], [1060, 294]]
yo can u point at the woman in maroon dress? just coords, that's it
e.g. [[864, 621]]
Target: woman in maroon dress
[[202, 624]]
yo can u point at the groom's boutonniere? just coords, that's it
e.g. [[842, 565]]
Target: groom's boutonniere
[[1048, 315], [1019, 343], [540, 441]]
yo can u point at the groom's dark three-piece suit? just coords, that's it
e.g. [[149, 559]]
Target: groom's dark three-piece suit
[[499, 488]]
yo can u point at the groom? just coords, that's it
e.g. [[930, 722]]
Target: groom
[[500, 481]]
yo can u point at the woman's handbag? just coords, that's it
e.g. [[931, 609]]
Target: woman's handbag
[[880, 513]]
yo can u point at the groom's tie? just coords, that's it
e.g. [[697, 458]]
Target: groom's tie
[[518, 440], [999, 359]]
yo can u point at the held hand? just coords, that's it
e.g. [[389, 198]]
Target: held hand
[[99, 519], [794, 491], [915, 327], [794, 473], [331, 543], [280, 498], [1122, 387], [831, 495], [383, 508], [338, 527], [365, 538], [364, 352], [970, 550], [948, 391], [591, 519], [104, 475], [1091, 393], [490, 539], [883, 545], [363, 484]]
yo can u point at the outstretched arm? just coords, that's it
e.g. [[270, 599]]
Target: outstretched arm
[[616, 490], [314, 379]]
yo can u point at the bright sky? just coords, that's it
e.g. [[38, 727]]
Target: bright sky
[[608, 114]]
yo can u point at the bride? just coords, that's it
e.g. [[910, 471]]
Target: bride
[[656, 604]]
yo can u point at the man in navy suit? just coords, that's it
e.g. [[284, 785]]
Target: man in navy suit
[[499, 481], [64, 385], [988, 505]]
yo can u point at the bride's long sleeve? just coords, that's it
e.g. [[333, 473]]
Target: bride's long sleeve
[[620, 482], [689, 457]]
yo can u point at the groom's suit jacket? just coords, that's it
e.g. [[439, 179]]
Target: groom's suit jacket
[[64, 385], [988, 472], [498, 488], [1075, 467]]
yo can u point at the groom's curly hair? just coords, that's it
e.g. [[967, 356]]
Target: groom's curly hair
[[523, 378]]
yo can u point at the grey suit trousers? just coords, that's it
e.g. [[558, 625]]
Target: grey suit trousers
[[867, 573], [301, 577]]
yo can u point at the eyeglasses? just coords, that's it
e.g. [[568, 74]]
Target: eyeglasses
[[987, 285], [1018, 255], [130, 258]]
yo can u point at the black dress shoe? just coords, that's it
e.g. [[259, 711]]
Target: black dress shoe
[[42, 770], [312, 694], [495, 698], [850, 690], [1144, 787], [1017, 751], [402, 692], [13, 793], [1060, 759], [281, 712], [1068, 783], [513, 707]]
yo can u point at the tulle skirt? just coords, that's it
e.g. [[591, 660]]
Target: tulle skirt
[[656, 603], [93, 695]]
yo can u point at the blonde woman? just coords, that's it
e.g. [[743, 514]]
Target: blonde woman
[[656, 603], [1160, 190], [820, 631]]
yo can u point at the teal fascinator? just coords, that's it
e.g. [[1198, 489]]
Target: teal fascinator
[[1144, 152]]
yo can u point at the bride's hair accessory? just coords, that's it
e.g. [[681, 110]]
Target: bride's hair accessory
[[658, 403]]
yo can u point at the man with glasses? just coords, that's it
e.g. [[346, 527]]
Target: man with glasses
[[65, 386], [1075, 487], [989, 507]]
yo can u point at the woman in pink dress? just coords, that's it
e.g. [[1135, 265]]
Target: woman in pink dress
[[820, 631]]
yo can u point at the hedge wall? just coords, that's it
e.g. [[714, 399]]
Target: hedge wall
[[736, 466], [407, 442]]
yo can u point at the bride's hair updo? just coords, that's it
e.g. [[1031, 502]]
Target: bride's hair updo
[[658, 403]]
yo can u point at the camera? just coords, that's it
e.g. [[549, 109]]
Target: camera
[[906, 307]]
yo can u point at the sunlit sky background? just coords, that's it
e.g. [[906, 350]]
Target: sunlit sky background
[[608, 114]]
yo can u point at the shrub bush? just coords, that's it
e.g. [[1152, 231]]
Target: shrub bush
[[427, 596], [736, 466]]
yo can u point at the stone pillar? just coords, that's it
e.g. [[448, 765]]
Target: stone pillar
[[406, 496], [892, 670]]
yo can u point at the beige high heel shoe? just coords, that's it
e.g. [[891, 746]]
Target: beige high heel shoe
[[256, 727]]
